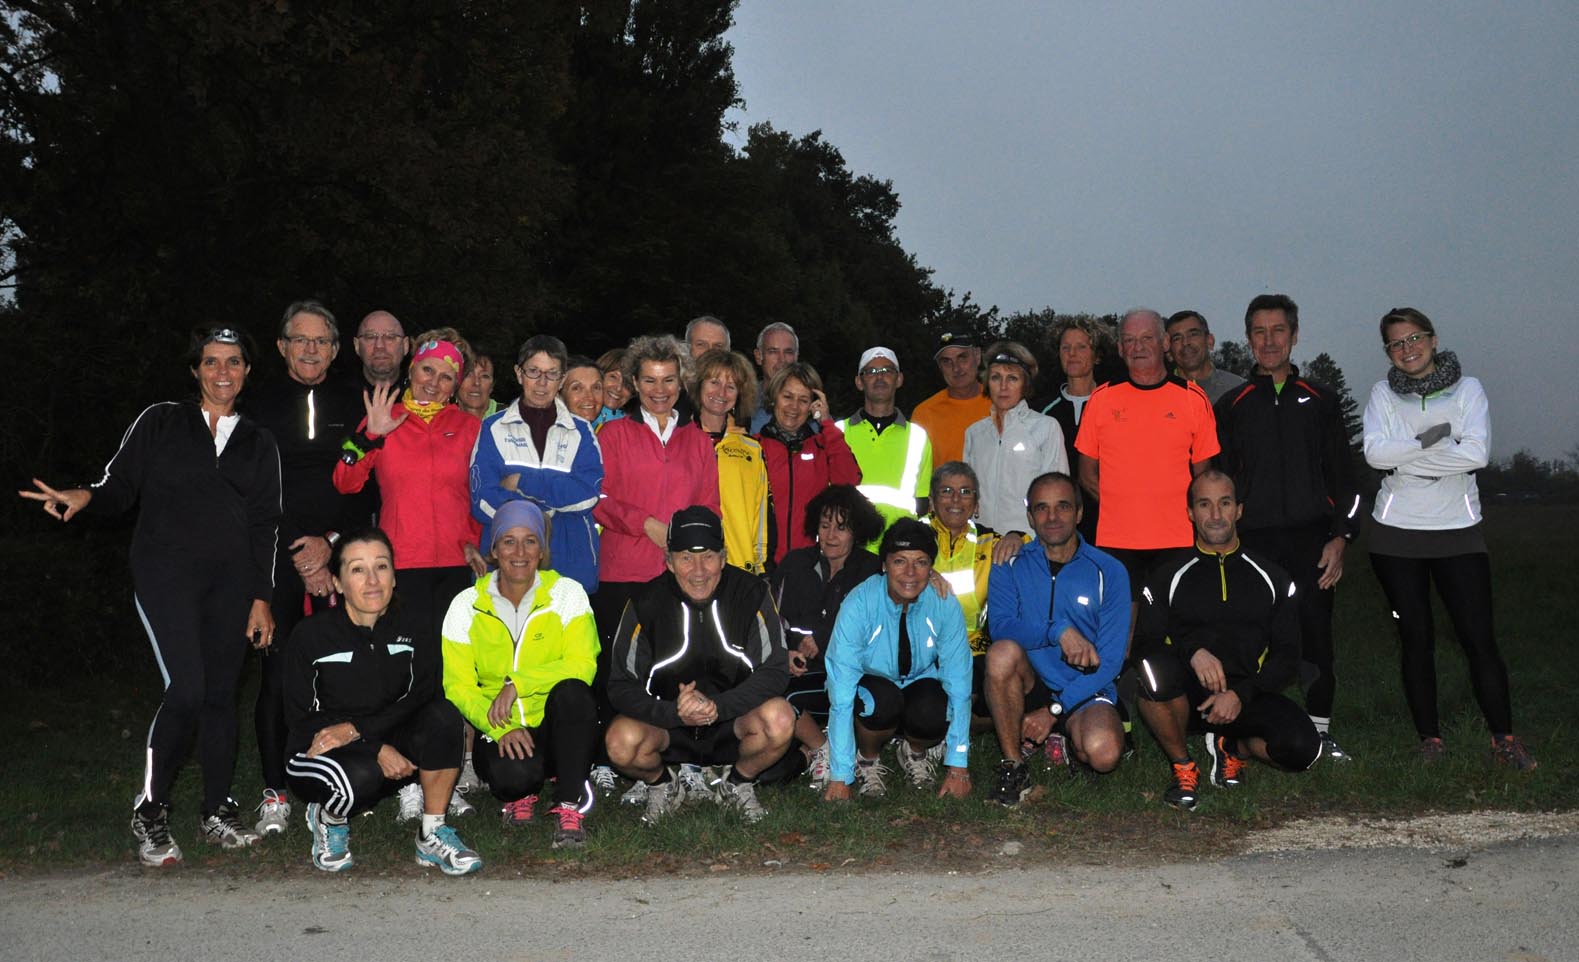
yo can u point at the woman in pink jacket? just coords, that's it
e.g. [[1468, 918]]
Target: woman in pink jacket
[[419, 447], [805, 452]]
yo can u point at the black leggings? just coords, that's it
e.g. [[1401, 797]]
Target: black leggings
[[195, 614], [919, 710], [1292, 742], [1297, 550], [1464, 584], [562, 747], [289, 607], [348, 779]]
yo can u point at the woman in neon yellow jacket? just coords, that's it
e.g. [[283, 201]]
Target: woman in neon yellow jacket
[[520, 650]]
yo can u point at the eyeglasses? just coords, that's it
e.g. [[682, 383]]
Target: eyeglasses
[[965, 491], [533, 374], [1393, 347], [875, 371], [380, 338], [300, 341]]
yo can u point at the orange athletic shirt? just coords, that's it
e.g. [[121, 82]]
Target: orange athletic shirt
[[1144, 440], [946, 419]]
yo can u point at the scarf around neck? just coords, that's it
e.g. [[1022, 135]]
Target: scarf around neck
[[426, 412], [1445, 376]]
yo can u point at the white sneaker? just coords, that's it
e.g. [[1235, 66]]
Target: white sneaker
[[920, 767], [468, 782], [697, 782], [741, 796], [224, 828], [818, 768], [459, 806], [636, 794], [410, 797], [603, 780], [155, 847], [274, 813], [445, 851], [663, 800], [869, 774]]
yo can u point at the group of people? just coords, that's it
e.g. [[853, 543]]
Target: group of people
[[647, 566]]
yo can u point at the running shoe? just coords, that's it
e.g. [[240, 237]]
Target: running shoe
[[568, 829], [1331, 749], [459, 806], [818, 767], [635, 795], [1186, 781], [519, 812], [663, 800], [1432, 750], [410, 798], [445, 850], [151, 828], [1228, 769], [697, 782], [1509, 751], [1012, 784], [223, 827], [468, 782], [920, 767], [740, 796], [603, 779], [331, 841], [274, 813], [869, 774]]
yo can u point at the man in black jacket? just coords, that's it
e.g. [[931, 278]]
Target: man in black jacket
[[309, 412], [1218, 634], [697, 674], [1283, 443]]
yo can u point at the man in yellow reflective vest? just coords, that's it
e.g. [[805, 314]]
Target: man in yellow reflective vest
[[894, 453]]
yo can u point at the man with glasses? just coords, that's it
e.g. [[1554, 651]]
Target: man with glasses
[[1190, 344], [381, 343], [536, 450], [1285, 448], [895, 454], [309, 413], [946, 414]]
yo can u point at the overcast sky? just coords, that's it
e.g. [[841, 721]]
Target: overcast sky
[[1093, 157]]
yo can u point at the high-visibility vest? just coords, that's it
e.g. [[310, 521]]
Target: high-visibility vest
[[894, 473]]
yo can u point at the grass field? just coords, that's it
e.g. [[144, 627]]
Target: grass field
[[84, 688]]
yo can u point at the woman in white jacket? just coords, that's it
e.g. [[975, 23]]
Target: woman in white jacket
[[1013, 445], [1428, 429]]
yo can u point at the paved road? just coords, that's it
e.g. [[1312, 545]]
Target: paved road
[[1510, 901]]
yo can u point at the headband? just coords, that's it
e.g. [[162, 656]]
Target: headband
[[444, 351]]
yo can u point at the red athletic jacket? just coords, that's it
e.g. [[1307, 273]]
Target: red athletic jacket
[[795, 476]]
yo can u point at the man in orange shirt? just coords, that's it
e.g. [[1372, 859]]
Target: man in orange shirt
[[946, 414], [1141, 440]]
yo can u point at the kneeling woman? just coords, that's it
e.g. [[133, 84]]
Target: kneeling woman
[[899, 662], [528, 693], [363, 705]]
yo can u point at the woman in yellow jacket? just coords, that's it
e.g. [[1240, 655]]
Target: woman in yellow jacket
[[724, 389], [520, 649]]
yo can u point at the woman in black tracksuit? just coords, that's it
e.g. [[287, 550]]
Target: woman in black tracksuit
[[207, 482]]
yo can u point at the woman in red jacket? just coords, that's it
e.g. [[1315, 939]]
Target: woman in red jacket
[[805, 452], [419, 447]]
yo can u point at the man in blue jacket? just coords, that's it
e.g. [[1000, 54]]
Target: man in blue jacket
[[1059, 618]]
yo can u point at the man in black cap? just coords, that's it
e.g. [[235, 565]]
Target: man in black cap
[[697, 673], [899, 663], [946, 414]]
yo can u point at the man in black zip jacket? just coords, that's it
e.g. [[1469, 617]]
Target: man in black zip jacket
[[1283, 443], [698, 672], [309, 412], [1218, 634]]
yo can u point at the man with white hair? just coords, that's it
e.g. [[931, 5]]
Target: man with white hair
[[777, 346]]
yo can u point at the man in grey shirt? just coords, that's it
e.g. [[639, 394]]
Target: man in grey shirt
[[1190, 344]]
